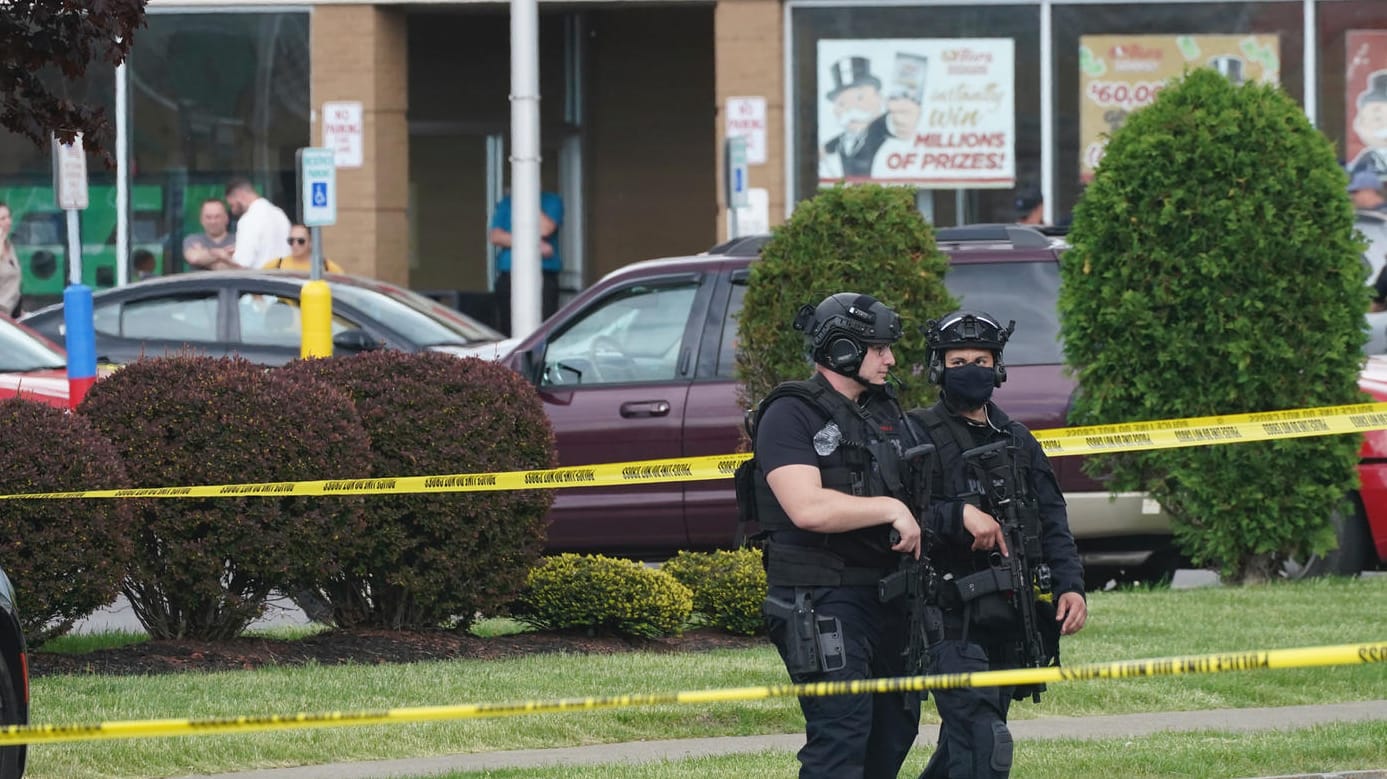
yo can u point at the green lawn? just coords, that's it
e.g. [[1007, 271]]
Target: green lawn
[[1123, 625], [1205, 755]]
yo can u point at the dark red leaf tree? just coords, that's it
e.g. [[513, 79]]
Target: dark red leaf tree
[[44, 43]]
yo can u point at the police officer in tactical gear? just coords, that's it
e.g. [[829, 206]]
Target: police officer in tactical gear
[[990, 477], [827, 489]]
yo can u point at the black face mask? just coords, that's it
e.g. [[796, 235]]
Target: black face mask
[[970, 386]]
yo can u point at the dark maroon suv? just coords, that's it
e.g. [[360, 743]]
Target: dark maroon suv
[[640, 366]]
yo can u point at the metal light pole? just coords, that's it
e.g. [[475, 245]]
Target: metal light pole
[[123, 178], [525, 256]]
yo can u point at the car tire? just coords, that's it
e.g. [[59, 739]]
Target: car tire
[[11, 713], [1161, 566], [1351, 556]]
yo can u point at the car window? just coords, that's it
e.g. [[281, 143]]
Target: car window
[[20, 351], [1027, 292], [270, 320], [419, 320], [727, 347], [183, 318], [631, 336]]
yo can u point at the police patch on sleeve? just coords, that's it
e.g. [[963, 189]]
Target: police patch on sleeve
[[827, 439]]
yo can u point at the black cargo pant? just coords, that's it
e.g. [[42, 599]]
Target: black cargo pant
[[856, 736], [974, 742]]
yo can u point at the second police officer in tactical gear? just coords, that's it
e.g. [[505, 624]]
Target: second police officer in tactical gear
[[827, 491], [1000, 542]]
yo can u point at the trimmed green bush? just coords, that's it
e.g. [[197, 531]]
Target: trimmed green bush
[[603, 594], [1215, 270], [867, 239], [204, 567], [729, 587], [439, 559], [66, 558]]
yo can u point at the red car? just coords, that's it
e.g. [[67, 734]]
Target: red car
[[31, 366], [1363, 539], [640, 366]]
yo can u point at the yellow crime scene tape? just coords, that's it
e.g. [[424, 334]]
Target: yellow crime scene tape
[[1343, 654], [1058, 442], [1202, 431]]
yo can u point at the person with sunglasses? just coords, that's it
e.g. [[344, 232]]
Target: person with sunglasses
[[300, 255]]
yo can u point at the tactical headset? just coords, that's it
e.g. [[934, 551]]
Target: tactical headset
[[966, 330], [841, 328]]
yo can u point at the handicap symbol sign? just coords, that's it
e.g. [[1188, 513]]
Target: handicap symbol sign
[[319, 194]]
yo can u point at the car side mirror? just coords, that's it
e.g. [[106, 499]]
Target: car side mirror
[[355, 340], [530, 364]]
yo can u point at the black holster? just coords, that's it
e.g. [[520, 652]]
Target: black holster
[[813, 644]]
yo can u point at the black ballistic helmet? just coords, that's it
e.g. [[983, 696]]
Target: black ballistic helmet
[[841, 328], [965, 330]]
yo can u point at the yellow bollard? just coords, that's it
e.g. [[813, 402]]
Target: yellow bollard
[[315, 306]]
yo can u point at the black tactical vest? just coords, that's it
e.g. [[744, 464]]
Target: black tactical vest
[[953, 478], [865, 463]]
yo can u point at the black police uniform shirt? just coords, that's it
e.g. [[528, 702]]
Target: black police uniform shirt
[[785, 436], [945, 514]]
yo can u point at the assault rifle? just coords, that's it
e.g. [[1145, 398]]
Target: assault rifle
[[994, 467], [916, 579]]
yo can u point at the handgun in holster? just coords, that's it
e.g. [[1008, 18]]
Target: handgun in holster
[[812, 644]]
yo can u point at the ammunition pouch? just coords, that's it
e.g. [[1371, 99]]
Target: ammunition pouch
[[987, 600], [788, 565], [813, 644], [748, 517]]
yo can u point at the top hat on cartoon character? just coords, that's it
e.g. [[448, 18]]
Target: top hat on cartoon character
[[1376, 91], [850, 72], [1229, 67]]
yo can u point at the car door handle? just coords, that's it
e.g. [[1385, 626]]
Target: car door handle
[[645, 408]]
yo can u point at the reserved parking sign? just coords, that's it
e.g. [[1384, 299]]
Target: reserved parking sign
[[317, 186]]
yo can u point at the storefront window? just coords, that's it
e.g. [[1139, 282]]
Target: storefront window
[[1353, 79], [39, 233], [1107, 55], [213, 96], [1109, 59], [883, 54]]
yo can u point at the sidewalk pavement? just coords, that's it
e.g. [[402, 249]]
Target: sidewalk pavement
[[1115, 726]]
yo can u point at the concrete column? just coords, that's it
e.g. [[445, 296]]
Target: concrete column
[[750, 63], [359, 52]]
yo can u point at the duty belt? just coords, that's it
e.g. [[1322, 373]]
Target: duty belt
[[790, 565]]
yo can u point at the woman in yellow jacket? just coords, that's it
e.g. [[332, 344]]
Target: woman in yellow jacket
[[301, 254]]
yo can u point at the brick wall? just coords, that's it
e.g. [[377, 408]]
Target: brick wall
[[750, 63], [359, 53]]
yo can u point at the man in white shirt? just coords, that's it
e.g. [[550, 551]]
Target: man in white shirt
[[262, 228]]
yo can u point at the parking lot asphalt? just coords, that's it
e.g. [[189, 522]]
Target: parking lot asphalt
[[1088, 728]]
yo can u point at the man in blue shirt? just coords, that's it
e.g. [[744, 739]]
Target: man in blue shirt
[[550, 220]]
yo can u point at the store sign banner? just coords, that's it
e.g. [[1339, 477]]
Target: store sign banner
[[1365, 83], [1120, 73], [934, 113]]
